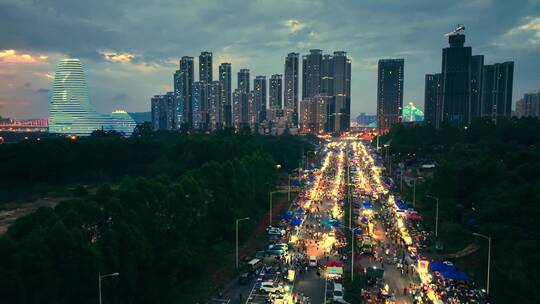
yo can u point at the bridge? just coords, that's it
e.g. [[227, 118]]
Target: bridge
[[31, 125]]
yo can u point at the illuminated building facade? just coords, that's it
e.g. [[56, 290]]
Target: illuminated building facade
[[70, 111]]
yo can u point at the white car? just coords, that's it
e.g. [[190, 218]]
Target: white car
[[313, 261], [271, 287], [276, 231], [338, 292]]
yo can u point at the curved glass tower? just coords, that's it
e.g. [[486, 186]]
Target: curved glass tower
[[70, 110]]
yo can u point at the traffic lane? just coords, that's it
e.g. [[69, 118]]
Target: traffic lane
[[311, 285], [392, 276]]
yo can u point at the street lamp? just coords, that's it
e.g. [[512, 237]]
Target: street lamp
[[436, 215], [271, 193], [352, 250], [414, 194], [489, 256], [238, 221], [102, 277]]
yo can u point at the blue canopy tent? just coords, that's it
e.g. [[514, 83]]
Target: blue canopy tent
[[358, 231], [299, 211], [367, 204], [364, 220], [287, 216], [440, 267], [296, 222], [335, 223], [454, 274], [401, 205], [326, 223]]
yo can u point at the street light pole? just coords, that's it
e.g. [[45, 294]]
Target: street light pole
[[270, 220], [99, 282], [436, 215], [414, 193], [271, 193], [489, 258], [238, 221], [352, 255], [349, 191], [289, 192]]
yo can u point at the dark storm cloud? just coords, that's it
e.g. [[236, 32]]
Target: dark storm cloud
[[153, 35]]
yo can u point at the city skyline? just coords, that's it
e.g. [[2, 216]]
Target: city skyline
[[116, 56]]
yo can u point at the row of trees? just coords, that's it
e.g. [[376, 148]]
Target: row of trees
[[103, 157], [167, 235], [488, 181]]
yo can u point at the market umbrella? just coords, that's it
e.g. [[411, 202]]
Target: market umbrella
[[296, 222], [358, 231], [440, 267], [364, 219], [287, 216]]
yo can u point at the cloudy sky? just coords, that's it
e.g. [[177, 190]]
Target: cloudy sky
[[130, 49]]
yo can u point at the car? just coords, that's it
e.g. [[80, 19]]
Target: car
[[271, 287], [244, 278], [282, 246], [260, 255], [275, 251], [337, 295], [276, 231], [313, 261]]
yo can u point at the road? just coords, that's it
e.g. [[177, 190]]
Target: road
[[316, 227]]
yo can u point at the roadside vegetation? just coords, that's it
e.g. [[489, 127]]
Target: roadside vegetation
[[167, 224], [488, 180]]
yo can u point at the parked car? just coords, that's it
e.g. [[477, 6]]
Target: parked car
[[275, 251], [276, 231], [260, 254]]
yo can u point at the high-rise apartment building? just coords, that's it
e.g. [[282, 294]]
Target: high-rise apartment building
[[468, 88], [70, 110], [243, 80], [477, 67], [225, 85], [291, 87], [529, 105], [432, 100], [313, 115], [311, 73], [183, 87], [253, 110], [259, 89], [497, 90], [214, 109], [240, 108], [276, 92], [389, 93], [456, 81], [166, 112], [199, 93], [205, 67], [339, 110]]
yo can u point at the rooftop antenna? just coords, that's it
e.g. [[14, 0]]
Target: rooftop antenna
[[457, 30]]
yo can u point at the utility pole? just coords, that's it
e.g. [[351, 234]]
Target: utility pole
[[238, 221], [489, 258]]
